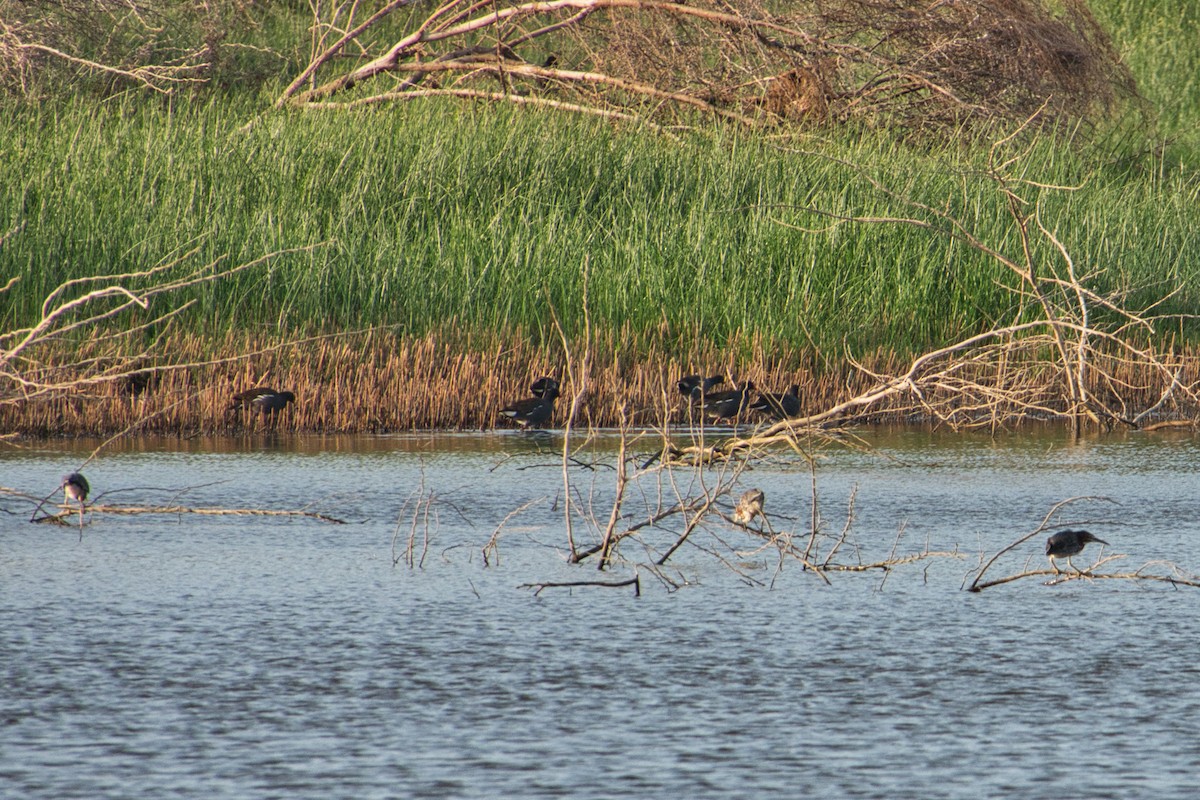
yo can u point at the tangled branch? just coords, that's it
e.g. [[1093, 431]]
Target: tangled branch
[[30, 369], [738, 60]]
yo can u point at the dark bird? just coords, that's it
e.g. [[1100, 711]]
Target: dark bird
[[75, 487], [727, 405], [273, 403], [533, 410], [749, 506], [137, 382], [542, 385], [246, 399], [1065, 544], [779, 406], [696, 385], [263, 399]]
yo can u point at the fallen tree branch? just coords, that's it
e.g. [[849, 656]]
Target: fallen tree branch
[[635, 582]]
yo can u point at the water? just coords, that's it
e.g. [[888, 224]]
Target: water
[[193, 656]]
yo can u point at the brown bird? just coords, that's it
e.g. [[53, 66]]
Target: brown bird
[[749, 506]]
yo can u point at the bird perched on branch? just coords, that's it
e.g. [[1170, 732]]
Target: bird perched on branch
[[75, 487], [749, 506], [1065, 544], [534, 410], [779, 406]]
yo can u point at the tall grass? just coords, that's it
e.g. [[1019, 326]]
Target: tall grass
[[489, 216], [1158, 41]]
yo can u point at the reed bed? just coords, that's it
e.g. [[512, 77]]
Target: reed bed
[[379, 382]]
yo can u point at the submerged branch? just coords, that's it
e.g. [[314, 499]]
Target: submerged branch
[[635, 582]]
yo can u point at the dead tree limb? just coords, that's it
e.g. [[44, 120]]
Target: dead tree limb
[[635, 582]]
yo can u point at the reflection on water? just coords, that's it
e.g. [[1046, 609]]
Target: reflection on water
[[246, 656]]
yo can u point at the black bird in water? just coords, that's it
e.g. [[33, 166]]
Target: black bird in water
[[693, 386], [779, 406], [1065, 544], [537, 409], [730, 404]]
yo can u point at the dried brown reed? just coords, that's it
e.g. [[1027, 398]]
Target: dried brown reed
[[377, 381], [911, 62]]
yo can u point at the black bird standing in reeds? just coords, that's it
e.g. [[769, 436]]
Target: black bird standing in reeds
[[533, 411], [694, 386], [729, 404], [264, 400], [779, 406]]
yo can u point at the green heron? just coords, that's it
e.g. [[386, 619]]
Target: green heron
[[75, 487], [537, 409], [779, 406], [1065, 544]]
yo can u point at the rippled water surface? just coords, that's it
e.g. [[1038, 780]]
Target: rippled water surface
[[182, 655]]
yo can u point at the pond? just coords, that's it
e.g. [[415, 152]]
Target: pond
[[189, 655]]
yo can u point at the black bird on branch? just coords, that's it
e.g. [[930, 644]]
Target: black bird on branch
[[1065, 544], [75, 487]]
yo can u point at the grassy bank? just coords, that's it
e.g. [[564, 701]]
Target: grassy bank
[[696, 248]]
